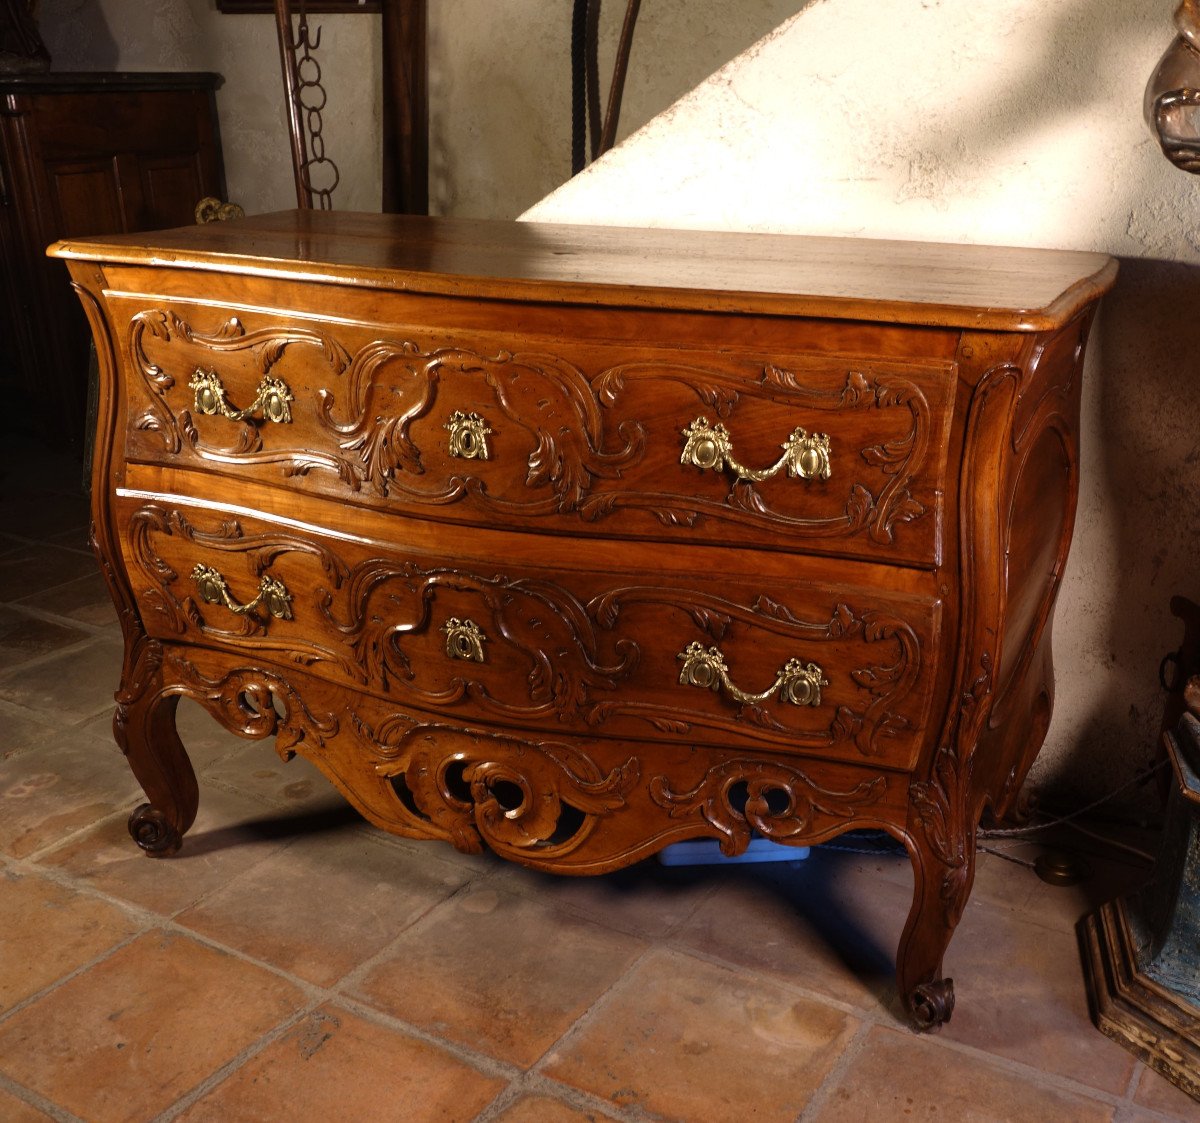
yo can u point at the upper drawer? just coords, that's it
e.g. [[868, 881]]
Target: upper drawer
[[830, 454]]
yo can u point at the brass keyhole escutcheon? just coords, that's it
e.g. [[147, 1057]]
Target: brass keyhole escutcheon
[[464, 640], [468, 436]]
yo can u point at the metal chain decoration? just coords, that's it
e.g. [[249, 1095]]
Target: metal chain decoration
[[306, 98]]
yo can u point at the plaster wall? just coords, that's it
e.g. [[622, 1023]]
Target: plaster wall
[[193, 35], [500, 84], [1011, 122]]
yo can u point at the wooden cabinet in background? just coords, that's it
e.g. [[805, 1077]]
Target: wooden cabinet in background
[[85, 154]]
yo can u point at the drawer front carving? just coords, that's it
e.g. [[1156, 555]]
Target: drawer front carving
[[661, 654], [579, 805], [828, 454]]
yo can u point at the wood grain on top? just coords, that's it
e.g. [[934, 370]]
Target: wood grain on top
[[901, 282]]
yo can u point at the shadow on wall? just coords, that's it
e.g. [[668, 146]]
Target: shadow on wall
[[500, 89], [1145, 460], [77, 35]]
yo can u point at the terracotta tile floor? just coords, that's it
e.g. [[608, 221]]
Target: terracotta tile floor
[[294, 964]]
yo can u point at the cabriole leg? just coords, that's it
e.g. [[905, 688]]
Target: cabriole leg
[[144, 727], [942, 878]]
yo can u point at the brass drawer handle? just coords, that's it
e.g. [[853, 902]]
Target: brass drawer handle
[[795, 683], [709, 446], [468, 436], [464, 640], [272, 593], [273, 398]]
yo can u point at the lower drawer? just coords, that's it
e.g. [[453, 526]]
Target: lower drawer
[[678, 652]]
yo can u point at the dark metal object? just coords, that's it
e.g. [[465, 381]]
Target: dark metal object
[[405, 106], [1056, 867], [585, 81], [306, 99]]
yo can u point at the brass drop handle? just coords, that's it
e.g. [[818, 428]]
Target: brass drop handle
[[805, 455], [468, 436], [464, 640], [272, 593], [796, 682], [273, 398]]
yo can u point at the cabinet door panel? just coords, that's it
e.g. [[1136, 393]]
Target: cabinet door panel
[[86, 197]]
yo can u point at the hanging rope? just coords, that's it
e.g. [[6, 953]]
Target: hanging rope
[[579, 24], [585, 81]]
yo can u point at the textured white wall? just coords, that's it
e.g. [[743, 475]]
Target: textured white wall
[[1010, 122], [500, 85]]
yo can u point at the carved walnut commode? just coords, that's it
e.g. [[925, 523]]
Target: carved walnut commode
[[577, 542]]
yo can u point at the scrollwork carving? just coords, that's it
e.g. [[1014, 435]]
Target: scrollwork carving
[[943, 806], [516, 795], [149, 828], [376, 395], [266, 346], [248, 701], [176, 614], [867, 726], [539, 621], [781, 802], [901, 459]]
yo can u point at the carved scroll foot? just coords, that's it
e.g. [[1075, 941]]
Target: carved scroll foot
[[144, 727], [930, 1005], [151, 830], [943, 858]]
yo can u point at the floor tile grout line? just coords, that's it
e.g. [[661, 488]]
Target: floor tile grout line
[[36, 1100], [992, 1058], [219, 1075], [37, 661], [836, 1075], [37, 856], [480, 1061], [594, 1009], [872, 1016], [62, 980], [48, 617], [537, 1084], [150, 920]]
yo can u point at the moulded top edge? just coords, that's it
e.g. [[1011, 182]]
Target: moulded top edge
[[920, 283]]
